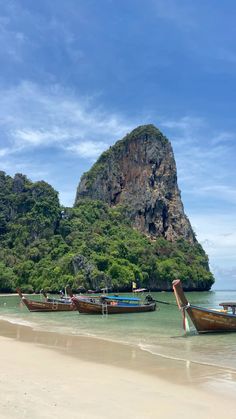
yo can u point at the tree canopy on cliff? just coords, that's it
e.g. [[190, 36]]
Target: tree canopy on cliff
[[43, 245]]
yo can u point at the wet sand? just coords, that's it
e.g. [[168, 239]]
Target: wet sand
[[47, 375]]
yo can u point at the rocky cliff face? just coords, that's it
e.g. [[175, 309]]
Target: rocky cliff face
[[139, 172]]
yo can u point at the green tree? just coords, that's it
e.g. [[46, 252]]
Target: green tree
[[7, 278]]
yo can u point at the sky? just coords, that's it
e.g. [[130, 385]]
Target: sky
[[77, 75]]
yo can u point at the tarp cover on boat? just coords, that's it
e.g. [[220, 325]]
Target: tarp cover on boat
[[121, 298]]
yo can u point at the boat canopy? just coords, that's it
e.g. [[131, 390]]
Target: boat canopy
[[121, 298], [140, 290]]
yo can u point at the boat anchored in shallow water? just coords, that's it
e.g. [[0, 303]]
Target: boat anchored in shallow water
[[113, 305], [47, 305], [206, 320]]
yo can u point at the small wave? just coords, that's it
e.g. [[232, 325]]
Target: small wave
[[20, 322], [154, 351]]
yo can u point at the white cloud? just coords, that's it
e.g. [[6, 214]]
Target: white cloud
[[12, 42], [185, 123], [67, 198], [206, 176], [4, 152], [30, 137], [204, 158], [217, 234], [223, 137], [89, 149], [227, 277], [33, 116], [224, 192]]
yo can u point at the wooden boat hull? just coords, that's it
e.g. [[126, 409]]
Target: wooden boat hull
[[205, 320], [211, 321], [46, 306], [89, 307]]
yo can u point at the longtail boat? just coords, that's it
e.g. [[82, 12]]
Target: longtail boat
[[206, 320], [47, 305], [61, 299], [113, 305]]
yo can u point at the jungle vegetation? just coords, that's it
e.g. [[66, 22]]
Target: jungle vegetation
[[46, 246]]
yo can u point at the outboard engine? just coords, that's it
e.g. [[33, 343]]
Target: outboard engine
[[149, 299]]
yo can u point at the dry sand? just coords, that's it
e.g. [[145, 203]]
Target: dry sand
[[47, 375]]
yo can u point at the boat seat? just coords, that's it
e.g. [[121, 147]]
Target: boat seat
[[229, 305]]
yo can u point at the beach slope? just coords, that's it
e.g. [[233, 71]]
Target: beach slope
[[39, 382]]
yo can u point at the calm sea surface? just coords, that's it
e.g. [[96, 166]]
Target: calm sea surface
[[159, 332]]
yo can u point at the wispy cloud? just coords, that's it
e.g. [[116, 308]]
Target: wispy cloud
[[228, 193], [226, 275], [214, 50], [217, 234], [4, 152], [206, 175], [88, 149], [217, 229], [223, 137], [34, 116], [185, 123], [15, 40], [204, 157]]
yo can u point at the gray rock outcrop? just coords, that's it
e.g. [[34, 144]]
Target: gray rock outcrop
[[139, 172]]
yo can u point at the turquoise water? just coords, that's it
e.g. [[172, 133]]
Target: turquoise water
[[159, 332]]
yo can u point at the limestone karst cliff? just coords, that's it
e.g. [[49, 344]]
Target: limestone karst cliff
[[139, 172], [128, 224]]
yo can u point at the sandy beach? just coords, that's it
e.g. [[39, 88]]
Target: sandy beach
[[47, 375]]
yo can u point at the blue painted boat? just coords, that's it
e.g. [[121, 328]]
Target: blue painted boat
[[113, 305]]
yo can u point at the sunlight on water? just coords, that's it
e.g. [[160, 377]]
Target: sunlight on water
[[159, 332]]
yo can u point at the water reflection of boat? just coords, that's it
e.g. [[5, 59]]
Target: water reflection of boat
[[204, 319], [113, 305], [47, 305]]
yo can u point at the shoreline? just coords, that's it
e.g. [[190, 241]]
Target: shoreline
[[131, 356], [112, 355], [48, 375], [47, 384]]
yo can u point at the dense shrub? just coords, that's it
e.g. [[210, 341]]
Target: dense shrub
[[43, 245]]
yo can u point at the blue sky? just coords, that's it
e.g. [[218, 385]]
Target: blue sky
[[77, 75]]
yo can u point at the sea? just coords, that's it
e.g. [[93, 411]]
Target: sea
[[159, 333]]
